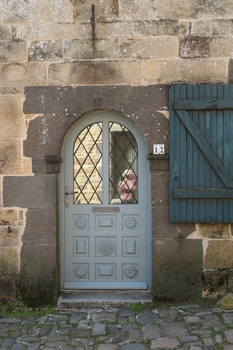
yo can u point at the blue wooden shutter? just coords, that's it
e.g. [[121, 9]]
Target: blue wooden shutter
[[201, 153]]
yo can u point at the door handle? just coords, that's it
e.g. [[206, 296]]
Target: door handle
[[67, 196]]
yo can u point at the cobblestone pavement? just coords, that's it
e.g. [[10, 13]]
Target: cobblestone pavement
[[190, 327]]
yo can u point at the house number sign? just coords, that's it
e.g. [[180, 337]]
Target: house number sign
[[158, 149]]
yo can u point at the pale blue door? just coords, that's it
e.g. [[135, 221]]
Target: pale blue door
[[106, 231]]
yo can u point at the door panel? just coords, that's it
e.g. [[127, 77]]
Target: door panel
[[106, 241]]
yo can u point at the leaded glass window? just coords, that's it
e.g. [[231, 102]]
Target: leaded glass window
[[88, 165], [121, 165]]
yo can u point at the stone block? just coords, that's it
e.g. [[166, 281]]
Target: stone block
[[91, 73], [194, 47], [159, 190], [104, 11], [202, 70], [69, 100], [11, 126], [221, 26], [162, 27], [55, 31], [227, 303], [8, 90], [13, 51], [9, 289], [40, 227], [63, 11], [27, 166], [134, 10], [160, 71], [87, 49], [39, 166], [165, 343], [21, 220], [9, 239], [9, 261], [8, 217], [215, 231], [45, 133], [45, 50], [194, 9], [161, 228], [27, 11], [15, 74], [5, 32], [30, 192], [219, 255], [44, 139], [177, 269], [215, 282], [10, 157], [149, 48], [221, 46], [38, 280], [113, 29], [201, 28]]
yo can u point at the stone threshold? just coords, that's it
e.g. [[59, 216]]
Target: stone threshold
[[102, 299]]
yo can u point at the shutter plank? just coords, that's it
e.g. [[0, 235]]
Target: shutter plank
[[172, 118], [189, 152], [202, 193], [203, 105]]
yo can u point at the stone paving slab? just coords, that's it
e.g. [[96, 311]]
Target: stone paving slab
[[188, 327]]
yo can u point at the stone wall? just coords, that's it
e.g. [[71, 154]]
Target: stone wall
[[47, 50]]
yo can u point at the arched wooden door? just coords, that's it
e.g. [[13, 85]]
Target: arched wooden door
[[105, 206]]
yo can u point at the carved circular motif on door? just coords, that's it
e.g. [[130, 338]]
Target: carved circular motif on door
[[130, 222], [130, 271], [81, 271], [81, 222], [105, 246]]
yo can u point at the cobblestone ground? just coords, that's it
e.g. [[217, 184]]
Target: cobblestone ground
[[186, 327]]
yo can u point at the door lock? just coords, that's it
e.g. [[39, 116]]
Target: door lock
[[71, 193], [67, 196]]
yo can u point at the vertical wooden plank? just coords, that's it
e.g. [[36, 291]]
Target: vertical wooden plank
[[226, 149], [213, 137], [171, 153], [189, 163], [177, 147], [207, 134], [183, 151], [195, 157], [231, 151], [219, 150], [201, 161]]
